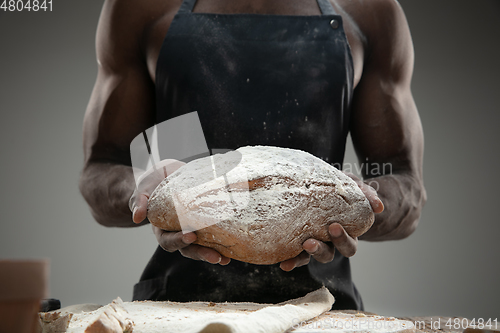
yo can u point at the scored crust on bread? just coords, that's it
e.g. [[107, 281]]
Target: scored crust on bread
[[268, 201]]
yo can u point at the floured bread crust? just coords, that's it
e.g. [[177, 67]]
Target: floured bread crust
[[263, 209]]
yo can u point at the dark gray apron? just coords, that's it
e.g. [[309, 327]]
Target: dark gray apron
[[274, 80]]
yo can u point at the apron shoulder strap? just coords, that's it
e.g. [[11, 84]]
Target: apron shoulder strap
[[187, 6], [326, 7]]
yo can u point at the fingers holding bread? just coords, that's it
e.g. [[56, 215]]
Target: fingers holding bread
[[172, 241], [146, 184], [369, 191]]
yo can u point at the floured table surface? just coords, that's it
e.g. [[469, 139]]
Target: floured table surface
[[302, 315], [353, 321], [427, 324], [164, 317]]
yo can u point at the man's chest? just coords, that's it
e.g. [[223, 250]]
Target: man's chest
[[157, 30]]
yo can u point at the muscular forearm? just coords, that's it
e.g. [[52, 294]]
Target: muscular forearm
[[403, 196], [107, 188]]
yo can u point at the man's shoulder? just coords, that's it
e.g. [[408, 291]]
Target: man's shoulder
[[134, 13], [375, 17], [369, 7], [124, 26]]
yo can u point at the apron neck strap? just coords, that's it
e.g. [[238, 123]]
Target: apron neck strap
[[324, 5], [187, 6]]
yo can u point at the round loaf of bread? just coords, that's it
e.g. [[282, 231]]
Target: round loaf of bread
[[259, 204]]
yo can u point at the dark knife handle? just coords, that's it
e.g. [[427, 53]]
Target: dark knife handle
[[50, 304]]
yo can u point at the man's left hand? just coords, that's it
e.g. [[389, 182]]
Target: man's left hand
[[340, 239]]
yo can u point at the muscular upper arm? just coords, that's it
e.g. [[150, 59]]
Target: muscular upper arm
[[122, 101], [385, 125]]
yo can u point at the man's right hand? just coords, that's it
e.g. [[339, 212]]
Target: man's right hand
[[146, 184], [177, 241], [168, 240]]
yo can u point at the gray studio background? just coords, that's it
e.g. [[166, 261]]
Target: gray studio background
[[449, 266]]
